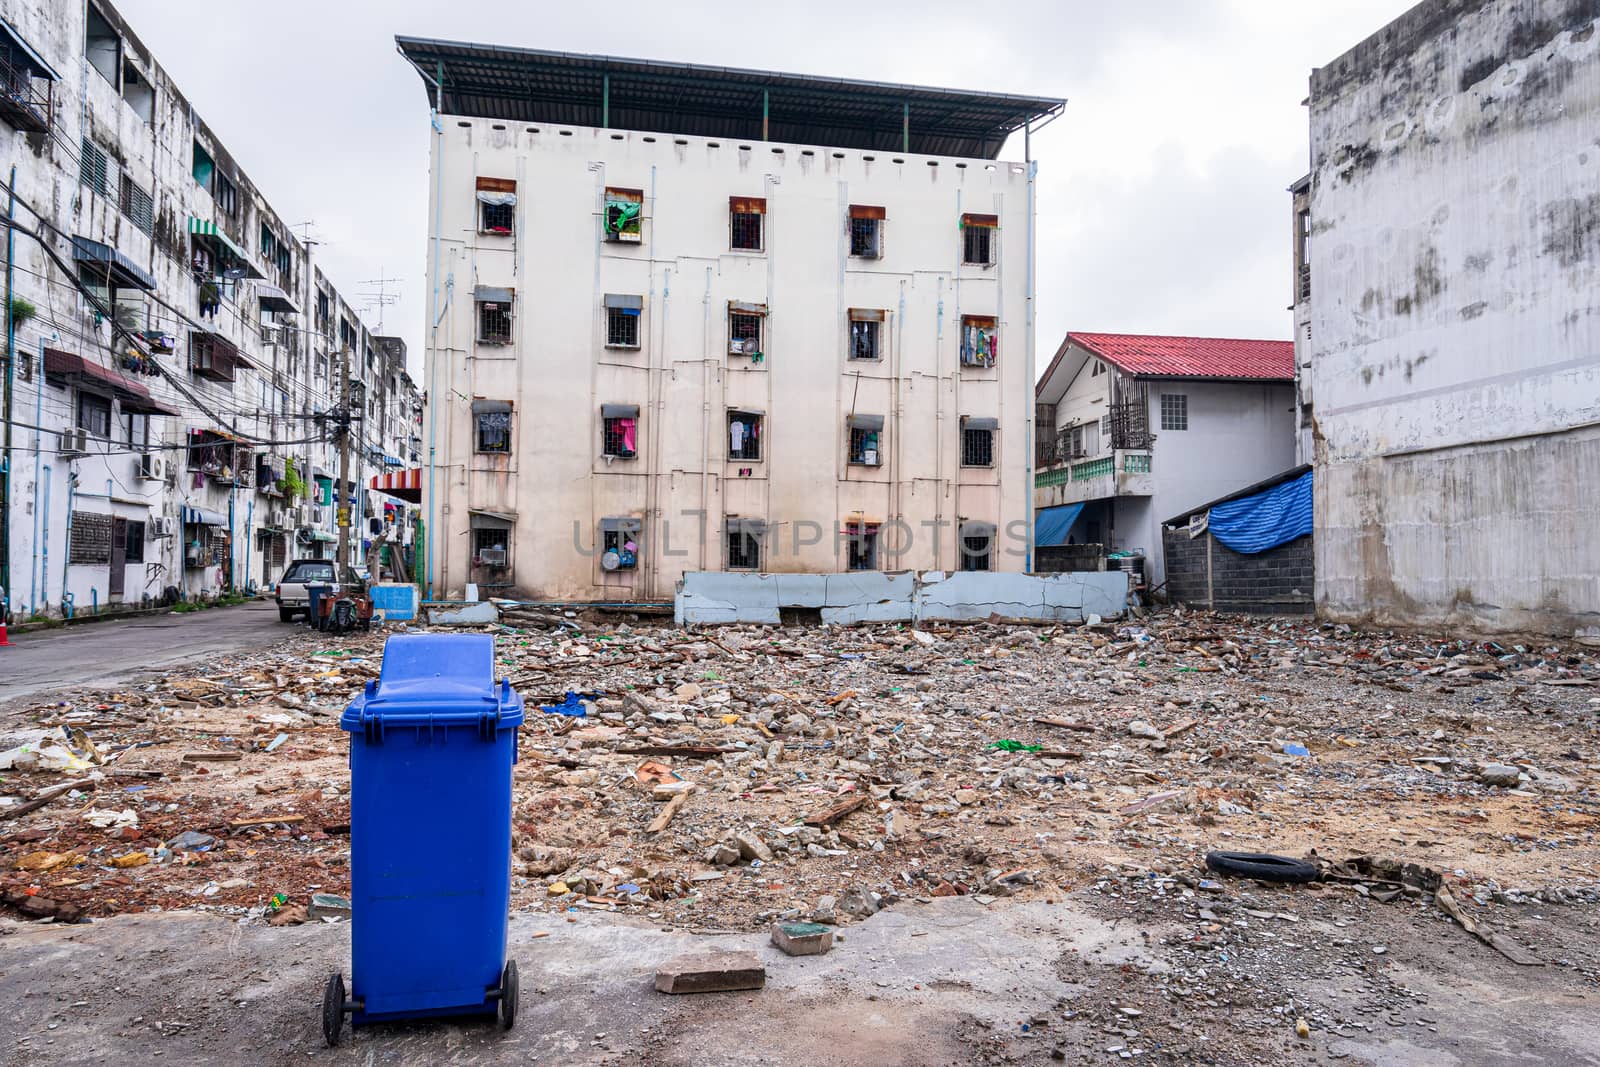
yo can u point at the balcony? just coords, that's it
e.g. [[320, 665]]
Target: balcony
[[1123, 472], [26, 94]]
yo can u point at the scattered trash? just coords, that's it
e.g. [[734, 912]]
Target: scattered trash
[[573, 705]]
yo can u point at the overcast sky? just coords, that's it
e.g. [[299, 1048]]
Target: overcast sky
[[1162, 203]]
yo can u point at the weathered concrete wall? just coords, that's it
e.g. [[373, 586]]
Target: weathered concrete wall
[[1455, 324], [1204, 572], [875, 596]]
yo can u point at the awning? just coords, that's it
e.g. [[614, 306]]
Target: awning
[[134, 397], [310, 536], [494, 199], [482, 519], [977, 528], [407, 485], [121, 270], [490, 407], [621, 525], [492, 294], [222, 244], [1052, 525], [624, 301], [274, 299], [980, 424], [40, 67], [751, 527], [202, 517], [619, 411], [866, 422]]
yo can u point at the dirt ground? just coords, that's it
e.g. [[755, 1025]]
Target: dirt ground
[[870, 776]]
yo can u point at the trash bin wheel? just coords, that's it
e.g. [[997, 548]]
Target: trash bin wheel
[[333, 1009], [508, 995]]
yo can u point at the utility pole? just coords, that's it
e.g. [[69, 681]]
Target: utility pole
[[342, 509]]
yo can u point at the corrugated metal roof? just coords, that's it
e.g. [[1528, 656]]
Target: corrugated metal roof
[[1192, 357], [531, 85]]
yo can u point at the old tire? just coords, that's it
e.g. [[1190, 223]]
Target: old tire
[[333, 1010], [509, 989], [1262, 866]]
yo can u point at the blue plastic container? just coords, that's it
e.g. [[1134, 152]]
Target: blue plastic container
[[432, 744], [314, 595]]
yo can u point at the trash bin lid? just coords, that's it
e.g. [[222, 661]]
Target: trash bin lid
[[435, 679]]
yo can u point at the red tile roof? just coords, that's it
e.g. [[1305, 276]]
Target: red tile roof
[[1192, 357]]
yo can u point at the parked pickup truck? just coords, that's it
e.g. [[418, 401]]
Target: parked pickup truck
[[291, 590]]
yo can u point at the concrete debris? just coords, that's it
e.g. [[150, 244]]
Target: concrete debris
[[721, 972], [802, 939]]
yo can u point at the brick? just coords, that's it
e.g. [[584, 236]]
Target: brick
[[802, 939], [718, 972]]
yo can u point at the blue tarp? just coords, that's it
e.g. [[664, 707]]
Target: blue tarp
[[1051, 525], [1267, 519]]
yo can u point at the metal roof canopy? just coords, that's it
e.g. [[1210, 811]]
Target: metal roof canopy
[[532, 85]]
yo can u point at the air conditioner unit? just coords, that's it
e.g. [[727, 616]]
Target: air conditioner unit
[[160, 526], [274, 517], [150, 467], [742, 346], [492, 557], [74, 443], [316, 516], [272, 335]]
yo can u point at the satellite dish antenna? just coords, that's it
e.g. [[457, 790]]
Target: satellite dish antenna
[[610, 561]]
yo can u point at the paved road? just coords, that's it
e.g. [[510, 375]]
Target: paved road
[[110, 652]]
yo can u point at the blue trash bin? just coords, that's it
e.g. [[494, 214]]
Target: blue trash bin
[[432, 744]]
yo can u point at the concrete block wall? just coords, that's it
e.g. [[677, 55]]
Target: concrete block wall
[[1204, 572]]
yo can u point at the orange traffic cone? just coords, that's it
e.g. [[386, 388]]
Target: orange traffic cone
[[4, 642]]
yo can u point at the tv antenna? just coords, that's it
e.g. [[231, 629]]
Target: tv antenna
[[381, 297]]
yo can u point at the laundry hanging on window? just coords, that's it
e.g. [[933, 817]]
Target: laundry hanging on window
[[627, 426], [736, 435]]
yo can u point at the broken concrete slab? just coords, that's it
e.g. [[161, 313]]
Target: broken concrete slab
[[711, 972], [876, 596], [467, 615], [802, 939]]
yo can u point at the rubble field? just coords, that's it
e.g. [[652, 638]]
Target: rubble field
[[723, 778]]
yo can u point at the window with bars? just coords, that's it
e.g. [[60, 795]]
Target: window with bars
[[622, 327], [980, 341], [133, 542], [865, 331], [865, 444], [744, 435], [620, 538], [137, 205], [491, 548], [497, 206], [1174, 411], [494, 322], [493, 431], [862, 545], [977, 549], [498, 218], [620, 435], [866, 231], [977, 446], [94, 414], [624, 213], [746, 215], [93, 167], [744, 549], [744, 333], [978, 238], [227, 196]]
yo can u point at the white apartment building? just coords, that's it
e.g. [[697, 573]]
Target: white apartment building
[[173, 348], [705, 319], [1134, 430]]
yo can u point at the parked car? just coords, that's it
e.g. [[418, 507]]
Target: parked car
[[290, 593]]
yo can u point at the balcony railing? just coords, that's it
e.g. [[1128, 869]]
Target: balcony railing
[[25, 100], [1090, 469]]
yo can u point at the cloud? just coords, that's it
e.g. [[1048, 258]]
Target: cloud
[[1161, 188]]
